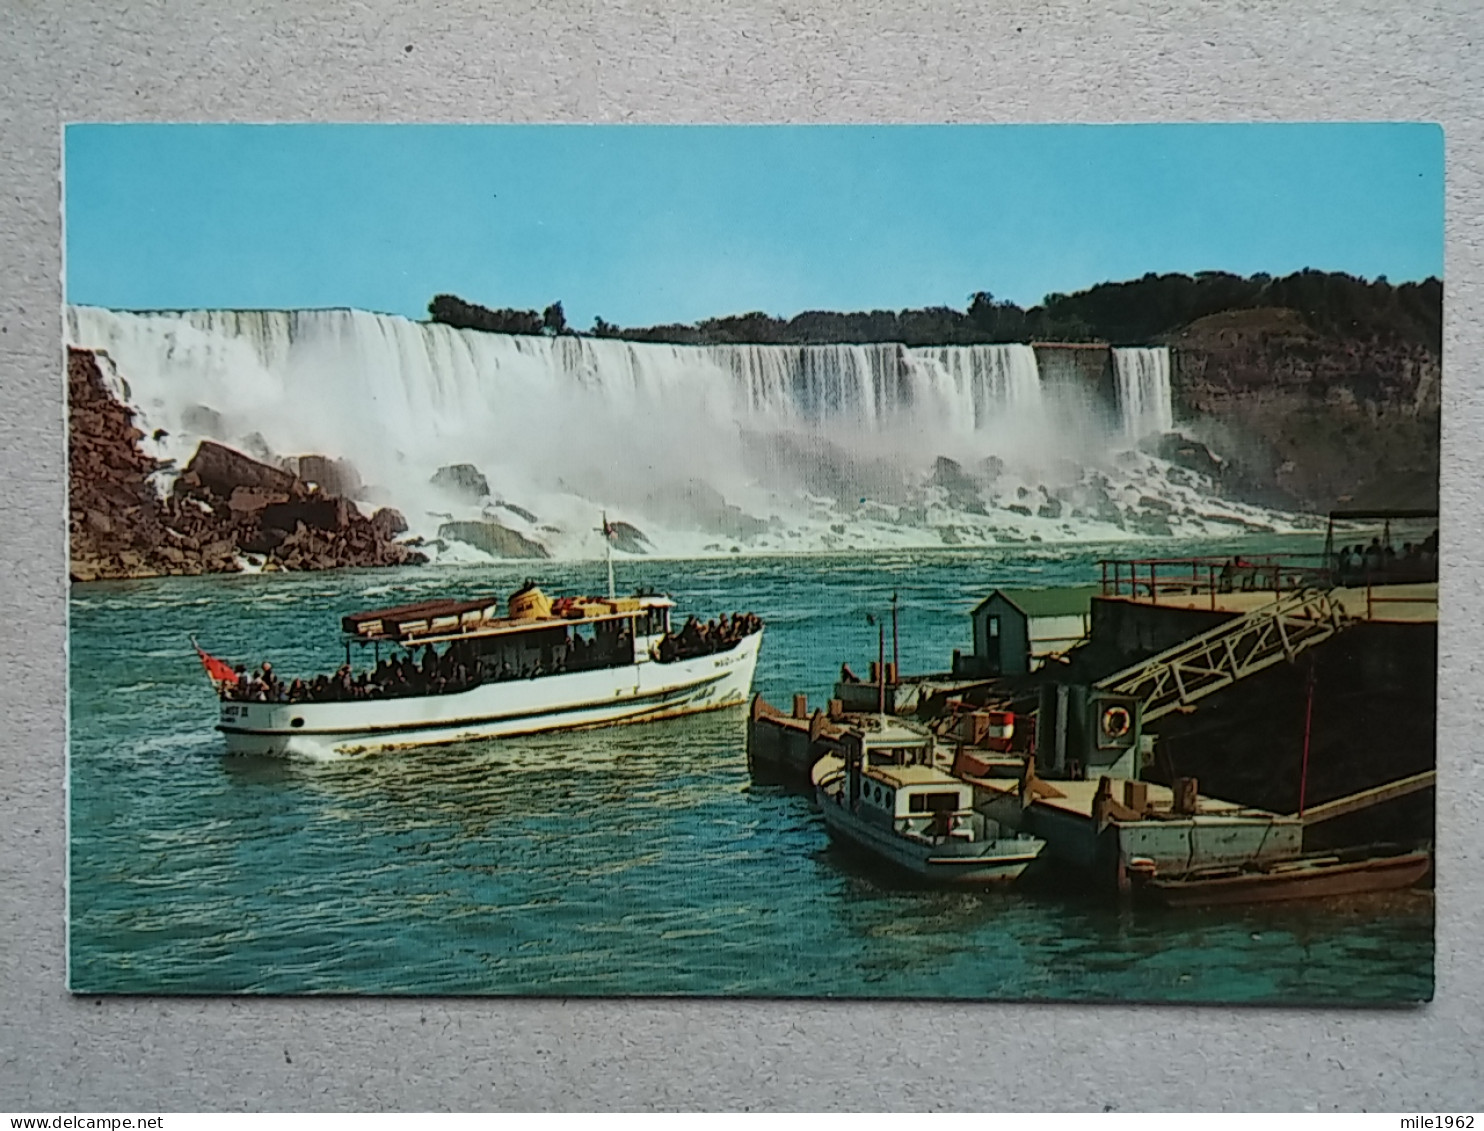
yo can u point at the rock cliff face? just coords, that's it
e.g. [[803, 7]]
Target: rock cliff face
[[224, 505], [1310, 421]]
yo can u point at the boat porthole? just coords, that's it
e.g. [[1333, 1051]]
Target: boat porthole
[[296, 721]]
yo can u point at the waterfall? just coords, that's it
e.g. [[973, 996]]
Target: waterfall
[[348, 380], [734, 437], [1143, 391], [977, 385]]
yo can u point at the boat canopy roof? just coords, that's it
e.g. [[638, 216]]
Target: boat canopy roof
[[1362, 515], [401, 619], [429, 622], [900, 777], [880, 732]]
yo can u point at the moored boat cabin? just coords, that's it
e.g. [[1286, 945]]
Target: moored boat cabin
[[891, 781]]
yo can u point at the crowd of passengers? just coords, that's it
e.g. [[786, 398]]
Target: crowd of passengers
[[456, 669], [1354, 565], [1416, 561], [697, 639], [459, 668]]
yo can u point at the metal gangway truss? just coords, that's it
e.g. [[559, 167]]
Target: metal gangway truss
[[1178, 677]]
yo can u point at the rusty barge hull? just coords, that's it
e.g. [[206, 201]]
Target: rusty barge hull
[[1297, 879]]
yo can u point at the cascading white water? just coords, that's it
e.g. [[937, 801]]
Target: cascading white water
[[564, 426], [1143, 389], [978, 385], [374, 387]]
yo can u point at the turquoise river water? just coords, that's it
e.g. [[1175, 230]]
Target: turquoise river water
[[637, 860]]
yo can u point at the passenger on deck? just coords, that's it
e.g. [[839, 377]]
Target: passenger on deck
[[1374, 559]]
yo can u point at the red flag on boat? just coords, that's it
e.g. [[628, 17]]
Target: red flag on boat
[[219, 670]]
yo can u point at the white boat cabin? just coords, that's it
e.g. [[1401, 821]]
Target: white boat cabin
[[536, 637], [890, 780]]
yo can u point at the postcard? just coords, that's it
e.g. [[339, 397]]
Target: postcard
[[974, 562]]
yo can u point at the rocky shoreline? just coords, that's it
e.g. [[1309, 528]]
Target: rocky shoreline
[[226, 511]]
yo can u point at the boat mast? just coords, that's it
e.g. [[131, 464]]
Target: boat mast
[[608, 552], [881, 670], [895, 659]]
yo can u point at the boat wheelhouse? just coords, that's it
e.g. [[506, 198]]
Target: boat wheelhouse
[[884, 794], [543, 666]]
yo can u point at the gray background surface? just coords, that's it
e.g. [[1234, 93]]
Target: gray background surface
[[747, 60]]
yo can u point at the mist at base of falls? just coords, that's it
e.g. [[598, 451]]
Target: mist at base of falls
[[702, 448]]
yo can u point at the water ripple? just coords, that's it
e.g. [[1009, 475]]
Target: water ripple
[[632, 861]]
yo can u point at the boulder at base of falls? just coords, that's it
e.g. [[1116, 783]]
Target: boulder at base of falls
[[389, 522], [319, 512], [960, 488], [1152, 524], [519, 512], [700, 505], [494, 539], [248, 500], [629, 538], [220, 470], [461, 481], [1187, 453], [331, 476], [223, 506], [1097, 503]]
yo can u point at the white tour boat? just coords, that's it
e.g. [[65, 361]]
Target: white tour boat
[[574, 663], [883, 794]]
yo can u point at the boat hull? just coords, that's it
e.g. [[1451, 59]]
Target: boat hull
[[998, 862], [1360, 877], [635, 693]]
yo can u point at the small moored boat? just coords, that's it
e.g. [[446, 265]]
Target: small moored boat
[[1354, 872], [883, 794], [546, 666]]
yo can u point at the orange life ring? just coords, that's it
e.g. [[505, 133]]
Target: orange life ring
[[1117, 721]]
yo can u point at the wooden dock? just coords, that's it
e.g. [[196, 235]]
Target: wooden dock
[[1104, 828], [1396, 604]]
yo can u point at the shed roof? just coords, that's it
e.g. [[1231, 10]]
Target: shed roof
[[1071, 601]]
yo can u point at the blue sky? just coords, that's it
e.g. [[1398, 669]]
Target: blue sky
[[656, 224]]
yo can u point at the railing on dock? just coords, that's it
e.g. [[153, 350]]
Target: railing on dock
[[1179, 579], [1148, 578], [1373, 601], [1194, 668]]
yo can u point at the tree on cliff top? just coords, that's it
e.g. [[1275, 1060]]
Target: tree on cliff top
[[454, 311], [1132, 312]]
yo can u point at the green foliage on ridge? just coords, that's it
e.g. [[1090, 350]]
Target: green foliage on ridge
[[1134, 312]]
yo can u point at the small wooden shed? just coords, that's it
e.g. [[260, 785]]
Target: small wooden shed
[[1016, 629]]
